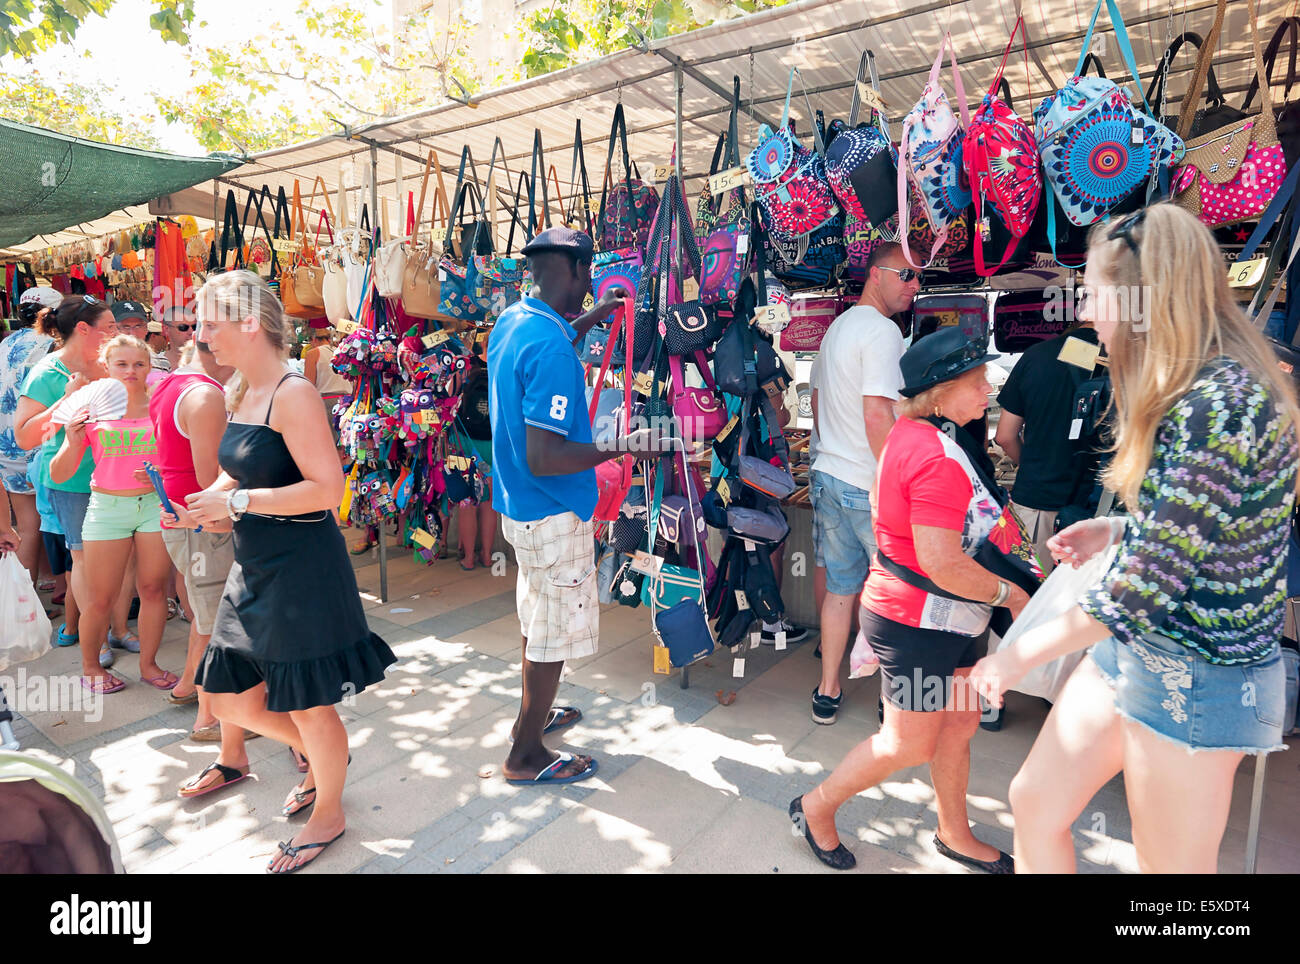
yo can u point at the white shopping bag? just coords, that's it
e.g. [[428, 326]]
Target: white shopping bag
[[1061, 590], [24, 627]]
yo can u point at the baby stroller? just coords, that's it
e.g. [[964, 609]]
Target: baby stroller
[[50, 823]]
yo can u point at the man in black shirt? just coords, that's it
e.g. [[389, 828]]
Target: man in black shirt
[[1037, 405]]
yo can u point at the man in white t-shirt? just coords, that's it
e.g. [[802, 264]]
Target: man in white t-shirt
[[856, 385]]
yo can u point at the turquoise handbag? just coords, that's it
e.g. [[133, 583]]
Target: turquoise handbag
[[672, 584]]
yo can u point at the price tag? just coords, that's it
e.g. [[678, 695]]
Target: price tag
[[772, 315], [423, 539], [664, 171], [593, 205], [645, 563], [741, 600], [1138, 134], [749, 547], [738, 668], [870, 96], [662, 663], [1076, 428], [724, 492], [641, 383], [690, 289], [1246, 274], [780, 640], [728, 180], [435, 338], [346, 325], [754, 640], [726, 429], [285, 244], [427, 417], [459, 463], [1079, 353], [588, 302], [742, 245]]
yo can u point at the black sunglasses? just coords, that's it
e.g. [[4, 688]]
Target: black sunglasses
[[905, 274], [1123, 231], [186, 327]]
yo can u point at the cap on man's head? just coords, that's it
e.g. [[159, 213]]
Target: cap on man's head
[[123, 310], [43, 296], [563, 240], [154, 327]]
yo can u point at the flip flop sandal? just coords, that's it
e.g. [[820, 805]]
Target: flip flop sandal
[[228, 775], [300, 760], [106, 656], [175, 700], [557, 721], [65, 639], [173, 607], [1005, 864], [60, 599], [301, 798], [546, 776], [108, 683], [289, 851], [166, 681], [46, 585], [207, 734], [128, 641]]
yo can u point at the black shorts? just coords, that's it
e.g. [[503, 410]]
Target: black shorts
[[56, 550], [917, 665]]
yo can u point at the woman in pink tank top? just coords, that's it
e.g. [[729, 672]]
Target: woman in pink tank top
[[123, 511]]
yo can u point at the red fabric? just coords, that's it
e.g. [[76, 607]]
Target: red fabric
[[917, 484], [171, 268], [175, 460]]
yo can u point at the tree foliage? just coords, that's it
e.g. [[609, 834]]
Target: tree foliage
[[72, 109], [28, 26]]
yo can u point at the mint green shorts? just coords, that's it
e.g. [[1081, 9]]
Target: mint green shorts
[[110, 517]]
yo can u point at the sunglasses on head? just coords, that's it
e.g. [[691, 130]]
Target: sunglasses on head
[[1123, 230], [905, 274]]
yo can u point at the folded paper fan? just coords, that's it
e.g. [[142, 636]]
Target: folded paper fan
[[103, 400]]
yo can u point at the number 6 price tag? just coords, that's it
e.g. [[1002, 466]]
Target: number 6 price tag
[[1246, 274]]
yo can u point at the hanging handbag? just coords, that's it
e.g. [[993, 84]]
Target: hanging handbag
[[627, 585], [421, 294], [789, 180], [700, 412], [724, 240], [765, 526], [930, 158], [627, 210], [306, 278], [1215, 114], [773, 481], [390, 256], [580, 214], [1001, 161], [458, 278], [614, 476], [862, 168], [811, 315], [1288, 114], [1097, 148], [1231, 174]]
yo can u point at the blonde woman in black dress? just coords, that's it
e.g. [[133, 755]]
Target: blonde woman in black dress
[[290, 639]]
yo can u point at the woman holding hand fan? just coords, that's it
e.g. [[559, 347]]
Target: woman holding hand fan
[[111, 418]]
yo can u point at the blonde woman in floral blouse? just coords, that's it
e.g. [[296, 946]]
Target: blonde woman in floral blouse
[[1184, 676]]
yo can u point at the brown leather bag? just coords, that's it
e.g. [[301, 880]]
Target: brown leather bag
[[420, 290], [301, 284]]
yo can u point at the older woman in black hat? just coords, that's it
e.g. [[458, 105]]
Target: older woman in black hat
[[927, 602]]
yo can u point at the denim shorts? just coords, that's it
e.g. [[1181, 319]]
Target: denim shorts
[[70, 507], [1184, 698], [842, 533]]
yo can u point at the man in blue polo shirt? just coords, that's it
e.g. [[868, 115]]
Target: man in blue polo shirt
[[543, 463]]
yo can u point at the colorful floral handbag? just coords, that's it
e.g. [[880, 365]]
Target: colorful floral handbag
[[930, 153], [789, 180], [1231, 174], [1001, 159], [1096, 147], [628, 209], [458, 281]]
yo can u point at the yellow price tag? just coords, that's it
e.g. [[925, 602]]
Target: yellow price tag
[[346, 325], [724, 492], [726, 429], [423, 539], [1079, 353], [641, 383], [589, 302], [1246, 274], [285, 244], [662, 663], [664, 171], [690, 289], [434, 339], [728, 180], [870, 97], [458, 463]]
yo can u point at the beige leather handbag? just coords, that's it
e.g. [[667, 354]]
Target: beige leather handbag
[[420, 292]]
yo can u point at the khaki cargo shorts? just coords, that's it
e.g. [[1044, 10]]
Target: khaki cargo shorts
[[559, 613], [204, 560]]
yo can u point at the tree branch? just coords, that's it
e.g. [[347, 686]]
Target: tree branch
[[319, 86]]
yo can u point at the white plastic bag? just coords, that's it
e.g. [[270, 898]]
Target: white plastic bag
[[1061, 590], [24, 627], [863, 660]]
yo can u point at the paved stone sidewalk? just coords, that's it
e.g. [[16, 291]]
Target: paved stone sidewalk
[[685, 784]]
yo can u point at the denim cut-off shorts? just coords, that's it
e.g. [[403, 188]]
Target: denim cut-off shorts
[[843, 539], [1185, 698]]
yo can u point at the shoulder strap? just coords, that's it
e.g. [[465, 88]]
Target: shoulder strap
[[1121, 38], [1290, 25], [271, 403]]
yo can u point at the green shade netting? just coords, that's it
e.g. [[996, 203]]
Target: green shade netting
[[50, 181]]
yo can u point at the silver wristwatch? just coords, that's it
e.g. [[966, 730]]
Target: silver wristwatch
[[237, 504]]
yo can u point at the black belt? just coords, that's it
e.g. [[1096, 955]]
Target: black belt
[[314, 517], [914, 578]]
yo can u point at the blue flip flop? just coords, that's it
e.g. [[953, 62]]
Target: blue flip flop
[[65, 640], [546, 775]]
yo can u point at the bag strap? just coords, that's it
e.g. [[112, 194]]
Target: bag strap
[[1094, 60], [578, 179], [618, 134], [818, 143], [1121, 38], [958, 87], [537, 173], [1001, 81], [1290, 25], [231, 229]]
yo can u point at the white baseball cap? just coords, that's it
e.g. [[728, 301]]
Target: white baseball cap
[[45, 297]]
